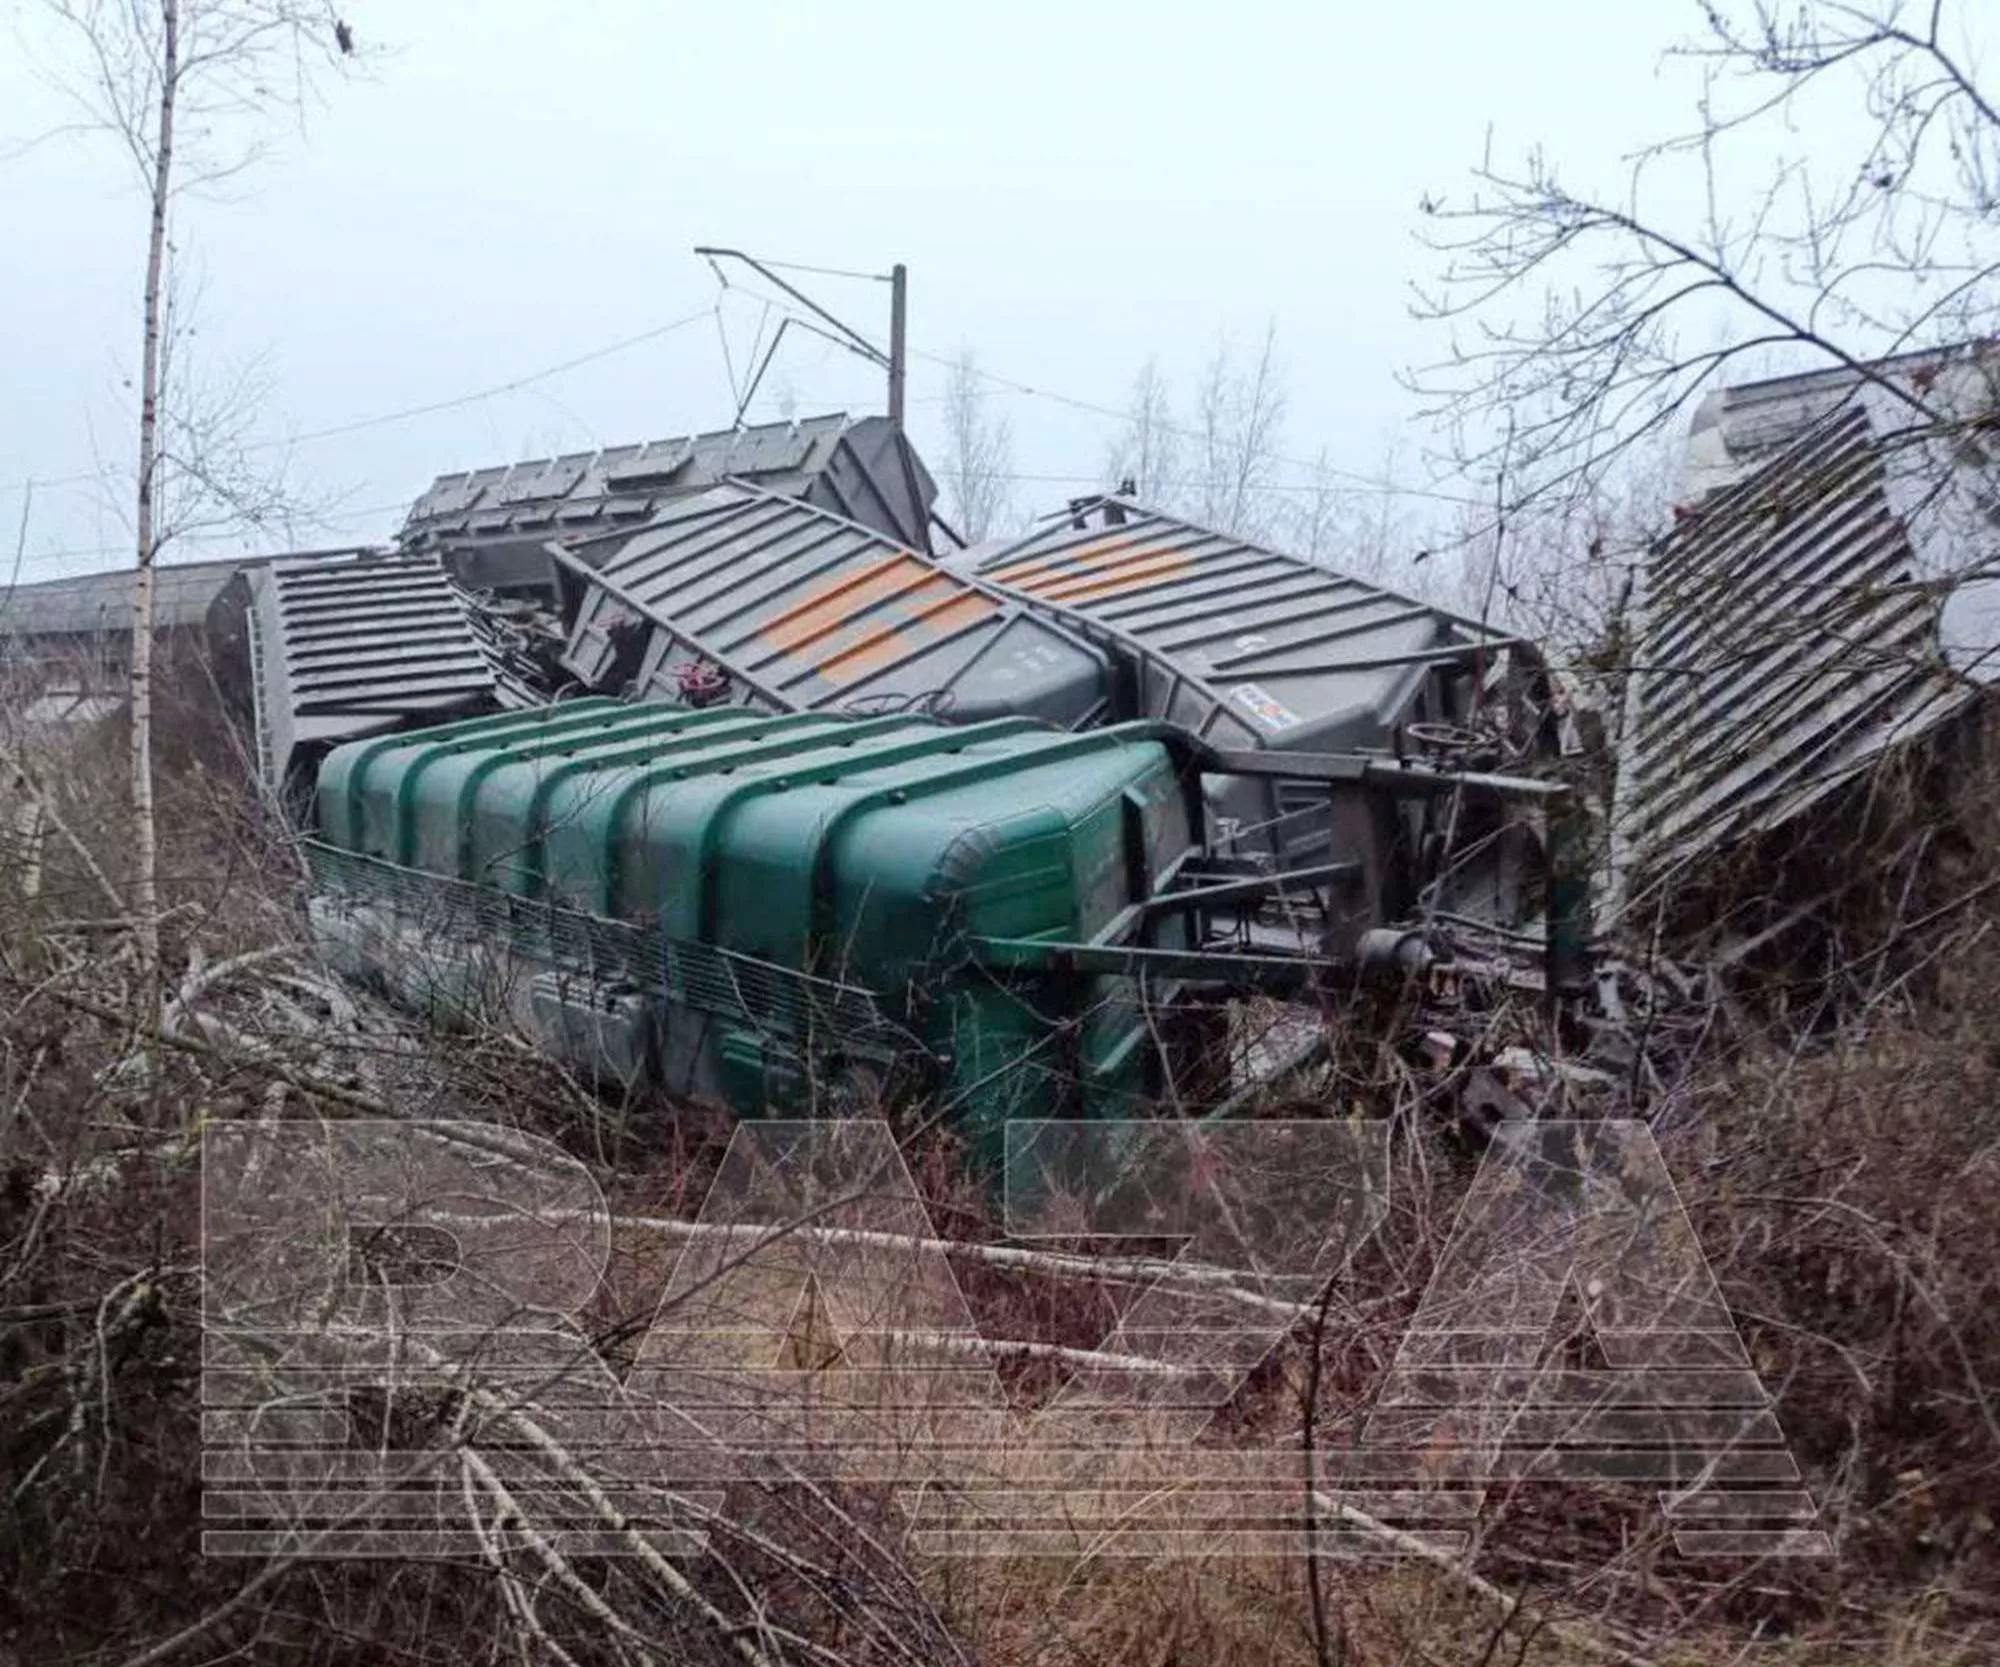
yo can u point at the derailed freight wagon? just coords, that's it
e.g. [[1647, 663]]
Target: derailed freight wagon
[[1275, 662], [740, 595], [785, 912], [1344, 726], [863, 821]]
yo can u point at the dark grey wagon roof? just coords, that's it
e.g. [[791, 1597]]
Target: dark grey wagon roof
[[342, 647], [492, 525], [807, 610], [1244, 644]]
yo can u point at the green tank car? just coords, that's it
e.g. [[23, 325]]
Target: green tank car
[[783, 913]]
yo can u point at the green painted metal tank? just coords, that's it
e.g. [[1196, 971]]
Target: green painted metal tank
[[774, 911]]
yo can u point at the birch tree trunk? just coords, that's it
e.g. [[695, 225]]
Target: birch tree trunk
[[145, 841]]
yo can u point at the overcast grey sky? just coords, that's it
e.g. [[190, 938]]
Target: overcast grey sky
[[1073, 186]]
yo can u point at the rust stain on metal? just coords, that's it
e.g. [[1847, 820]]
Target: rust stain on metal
[[1041, 571], [957, 612]]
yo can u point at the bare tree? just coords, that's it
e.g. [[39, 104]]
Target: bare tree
[[1244, 484], [1239, 425], [1779, 225], [1313, 520], [1833, 208], [185, 87], [1325, 517], [1147, 451], [979, 451]]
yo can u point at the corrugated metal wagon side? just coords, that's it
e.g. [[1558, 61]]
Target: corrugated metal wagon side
[[343, 645], [1807, 626]]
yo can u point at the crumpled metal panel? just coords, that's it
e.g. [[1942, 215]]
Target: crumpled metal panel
[[1788, 635], [801, 610], [342, 647], [523, 645], [1738, 429]]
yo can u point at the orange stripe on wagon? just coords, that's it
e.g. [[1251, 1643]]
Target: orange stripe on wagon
[[1096, 570], [825, 610], [887, 643]]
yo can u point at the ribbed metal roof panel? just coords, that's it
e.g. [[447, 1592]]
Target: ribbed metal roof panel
[[491, 524], [639, 471], [1252, 649], [1268, 650], [1789, 635], [342, 648], [804, 610]]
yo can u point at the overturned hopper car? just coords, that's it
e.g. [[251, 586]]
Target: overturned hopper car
[[315, 650], [741, 595], [805, 910], [492, 527], [770, 911], [1307, 691], [1273, 660]]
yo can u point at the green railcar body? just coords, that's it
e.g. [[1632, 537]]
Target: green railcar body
[[778, 912]]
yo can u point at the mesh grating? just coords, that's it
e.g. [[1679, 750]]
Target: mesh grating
[[697, 975]]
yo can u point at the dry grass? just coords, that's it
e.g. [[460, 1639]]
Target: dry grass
[[1845, 1179]]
